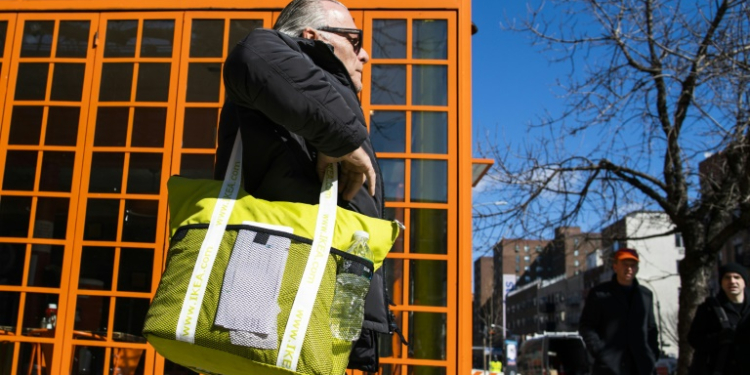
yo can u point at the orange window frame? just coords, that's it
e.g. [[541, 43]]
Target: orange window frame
[[451, 157]]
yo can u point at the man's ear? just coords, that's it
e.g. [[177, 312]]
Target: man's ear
[[310, 33]]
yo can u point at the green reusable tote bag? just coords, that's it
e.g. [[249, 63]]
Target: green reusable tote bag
[[206, 219]]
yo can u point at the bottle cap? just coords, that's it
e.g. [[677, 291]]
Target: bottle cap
[[361, 234]]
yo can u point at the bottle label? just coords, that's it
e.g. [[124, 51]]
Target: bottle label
[[356, 268]]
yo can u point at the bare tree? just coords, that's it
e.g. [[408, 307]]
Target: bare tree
[[655, 86]]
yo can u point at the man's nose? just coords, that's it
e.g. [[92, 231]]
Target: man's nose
[[363, 56]]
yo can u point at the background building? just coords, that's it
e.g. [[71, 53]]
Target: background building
[[102, 101]]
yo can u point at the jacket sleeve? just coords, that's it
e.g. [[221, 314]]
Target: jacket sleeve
[[590, 317], [268, 73]]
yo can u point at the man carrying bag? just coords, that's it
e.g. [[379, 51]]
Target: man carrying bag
[[293, 93]]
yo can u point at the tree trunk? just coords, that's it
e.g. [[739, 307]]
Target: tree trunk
[[695, 272]]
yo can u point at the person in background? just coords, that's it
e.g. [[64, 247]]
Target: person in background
[[720, 332], [617, 323], [292, 93]]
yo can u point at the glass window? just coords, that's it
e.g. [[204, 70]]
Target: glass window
[[73, 39], [116, 82], [428, 282], [388, 84], [525, 248], [429, 85], [120, 38], [15, 214], [197, 166], [57, 171], [239, 28], [32, 81], [430, 39], [20, 170], [429, 231], [427, 335], [388, 39], [62, 126], [149, 126], [158, 38], [37, 38], [204, 81], [153, 82], [429, 181], [3, 34], [144, 173], [199, 130], [67, 82], [393, 178], [388, 131], [575, 252], [207, 38], [429, 131]]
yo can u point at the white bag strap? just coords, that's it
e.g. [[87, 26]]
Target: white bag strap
[[299, 318], [191, 305]]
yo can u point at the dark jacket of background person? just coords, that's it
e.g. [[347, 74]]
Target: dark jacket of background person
[[708, 337], [611, 326], [292, 98]]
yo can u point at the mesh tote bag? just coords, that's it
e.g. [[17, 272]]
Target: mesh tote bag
[[248, 283]]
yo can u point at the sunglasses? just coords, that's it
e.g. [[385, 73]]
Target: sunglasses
[[356, 41]]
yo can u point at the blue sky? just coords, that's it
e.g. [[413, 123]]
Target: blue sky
[[512, 81]]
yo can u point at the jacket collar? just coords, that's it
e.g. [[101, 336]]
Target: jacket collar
[[322, 55]]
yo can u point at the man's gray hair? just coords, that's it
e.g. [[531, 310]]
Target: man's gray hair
[[299, 14]]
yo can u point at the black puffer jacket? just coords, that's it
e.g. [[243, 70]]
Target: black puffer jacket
[[616, 323], [292, 98], [708, 337]]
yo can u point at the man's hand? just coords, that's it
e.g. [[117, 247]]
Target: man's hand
[[356, 167]]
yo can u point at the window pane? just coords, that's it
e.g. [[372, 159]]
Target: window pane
[[106, 172], [130, 313], [389, 39], [67, 82], [73, 39], [37, 38], [135, 270], [57, 171], [427, 335], [149, 125], [429, 132], [97, 264], [197, 166], [428, 231], [429, 181], [388, 84], [45, 267], [238, 29], [20, 170], [14, 258], [35, 310], [116, 83], [51, 218], [3, 35], [204, 80], [158, 38], [144, 173], [15, 214], [393, 179], [139, 224], [93, 312], [207, 37], [388, 131], [111, 126], [428, 283], [430, 39], [32, 81], [200, 128], [120, 38], [430, 85], [62, 126], [101, 219], [26, 125], [153, 82], [9, 314]]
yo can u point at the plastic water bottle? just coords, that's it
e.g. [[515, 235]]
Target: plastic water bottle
[[352, 284]]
